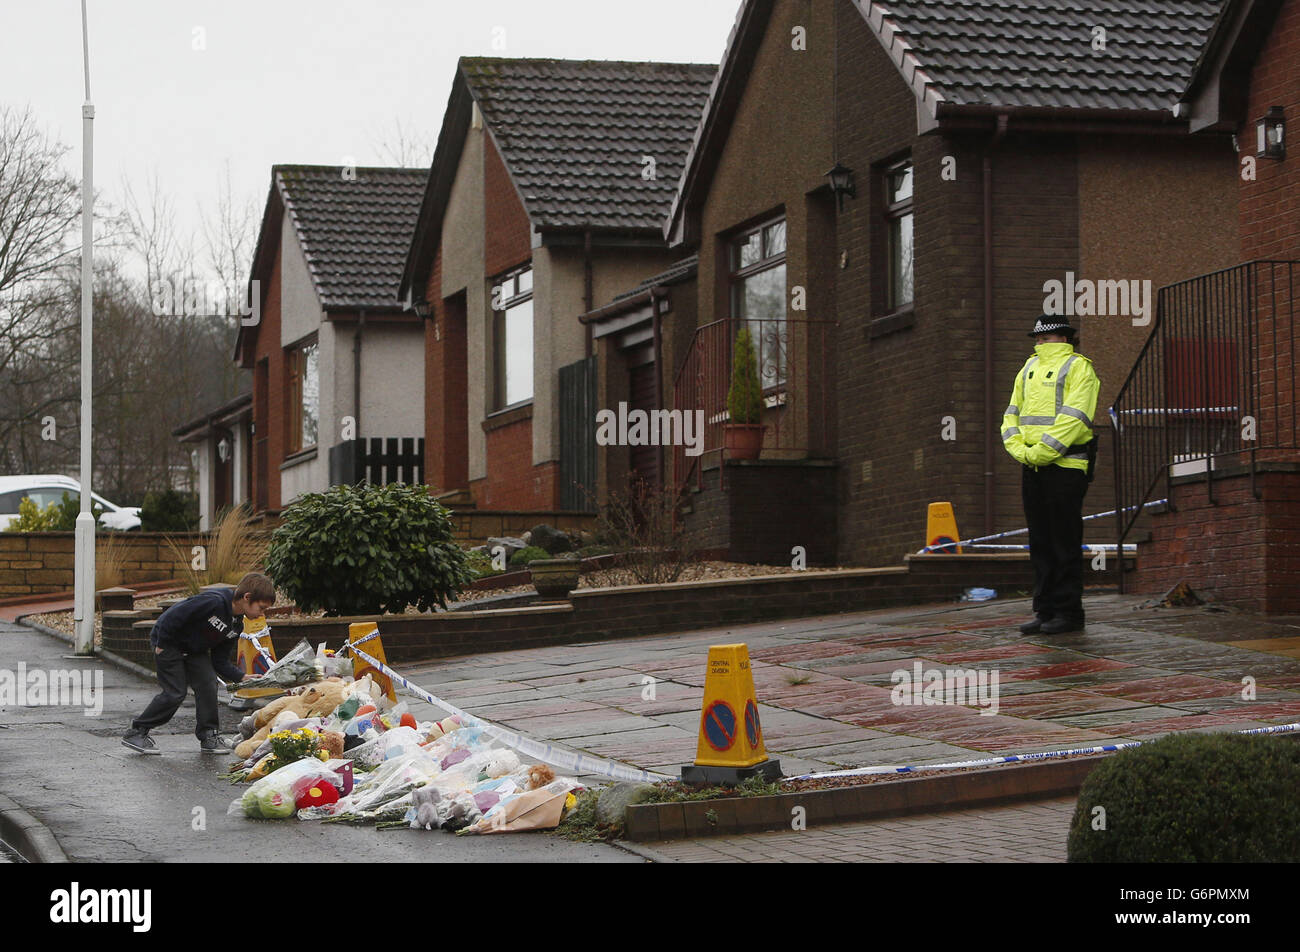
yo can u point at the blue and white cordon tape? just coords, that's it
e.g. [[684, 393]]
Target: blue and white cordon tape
[[567, 760], [1016, 758]]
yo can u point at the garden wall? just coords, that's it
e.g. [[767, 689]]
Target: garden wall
[[36, 563], [629, 611]]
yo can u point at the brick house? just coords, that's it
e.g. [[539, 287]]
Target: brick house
[[992, 147], [546, 196], [223, 440], [338, 376], [1225, 458]]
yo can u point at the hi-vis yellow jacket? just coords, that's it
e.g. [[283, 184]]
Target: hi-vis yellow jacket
[[1049, 419]]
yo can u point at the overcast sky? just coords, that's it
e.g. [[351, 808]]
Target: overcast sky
[[181, 87]]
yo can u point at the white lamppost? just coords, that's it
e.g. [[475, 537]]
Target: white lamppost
[[84, 565]]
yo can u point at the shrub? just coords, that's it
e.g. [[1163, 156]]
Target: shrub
[[31, 518], [56, 517], [67, 510], [643, 522], [527, 554], [110, 561], [480, 564], [367, 550], [745, 398], [170, 511], [1205, 798]]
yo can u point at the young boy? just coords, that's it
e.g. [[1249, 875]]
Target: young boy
[[193, 641]]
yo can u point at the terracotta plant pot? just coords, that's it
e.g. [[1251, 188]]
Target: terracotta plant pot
[[743, 440], [555, 578]]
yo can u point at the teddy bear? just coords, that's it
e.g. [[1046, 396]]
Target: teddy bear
[[316, 700], [425, 800]]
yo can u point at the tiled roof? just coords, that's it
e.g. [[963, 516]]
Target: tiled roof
[[574, 135], [355, 232], [1039, 53]]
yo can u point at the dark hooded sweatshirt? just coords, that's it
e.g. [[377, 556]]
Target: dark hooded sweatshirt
[[203, 623]]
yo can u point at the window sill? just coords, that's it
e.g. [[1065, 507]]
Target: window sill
[[891, 323], [506, 417], [302, 456]]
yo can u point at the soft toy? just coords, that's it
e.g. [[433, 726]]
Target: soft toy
[[502, 763], [364, 686], [539, 775], [316, 700], [425, 800], [332, 743]]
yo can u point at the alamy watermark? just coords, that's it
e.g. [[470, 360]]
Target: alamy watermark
[[194, 298], [945, 686], [57, 688], [1088, 298], [639, 427]]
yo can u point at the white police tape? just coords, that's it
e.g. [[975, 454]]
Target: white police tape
[[1015, 532], [265, 632], [1016, 758], [567, 760]]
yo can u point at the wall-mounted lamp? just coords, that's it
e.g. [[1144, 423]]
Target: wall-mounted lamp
[[223, 450], [842, 184], [1269, 134]]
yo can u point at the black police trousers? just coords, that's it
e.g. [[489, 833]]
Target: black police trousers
[[1053, 499]]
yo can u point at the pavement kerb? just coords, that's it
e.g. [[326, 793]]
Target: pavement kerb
[[114, 659], [985, 787], [28, 835], [644, 851]]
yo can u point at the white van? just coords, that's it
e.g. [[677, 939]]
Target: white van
[[46, 489]]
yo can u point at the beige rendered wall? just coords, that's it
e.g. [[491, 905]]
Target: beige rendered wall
[[1158, 209], [300, 315], [559, 337], [462, 269]]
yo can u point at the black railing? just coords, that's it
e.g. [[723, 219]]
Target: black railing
[[1214, 383], [377, 460]]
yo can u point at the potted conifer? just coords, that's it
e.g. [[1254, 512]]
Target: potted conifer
[[743, 435]]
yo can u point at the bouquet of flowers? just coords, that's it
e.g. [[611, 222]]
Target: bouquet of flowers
[[299, 666]]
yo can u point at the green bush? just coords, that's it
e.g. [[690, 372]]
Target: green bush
[[527, 554], [1201, 798], [56, 517], [31, 518], [367, 550], [480, 564], [67, 510], [170, 511], [745, 398]]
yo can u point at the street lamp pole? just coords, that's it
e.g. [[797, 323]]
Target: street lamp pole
[[84, 566]]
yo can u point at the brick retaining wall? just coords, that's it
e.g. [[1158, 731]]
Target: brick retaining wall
[[36, 563], [630, 611]]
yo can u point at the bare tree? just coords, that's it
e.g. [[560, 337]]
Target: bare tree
[[403, 147], [39, 205]]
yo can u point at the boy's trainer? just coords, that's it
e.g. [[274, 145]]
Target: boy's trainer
[[214, 743], [140, 741]]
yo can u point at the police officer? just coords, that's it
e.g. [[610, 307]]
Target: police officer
[[1048, 430]]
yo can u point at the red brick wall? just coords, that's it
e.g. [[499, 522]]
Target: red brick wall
[[1239, 549], [904, 383], [512, 481], [1270, 205], [446, 447], [508, 241], [273, 415]]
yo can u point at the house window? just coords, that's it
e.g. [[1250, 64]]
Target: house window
[[512, 334], [898, 231], [304, 396], [758, 297]]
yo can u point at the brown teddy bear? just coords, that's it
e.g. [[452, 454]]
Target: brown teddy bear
[[316, 700]]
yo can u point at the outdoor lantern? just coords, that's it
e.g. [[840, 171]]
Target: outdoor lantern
[[194, 458], [842, 184], [223, 450], [1269, 132]]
